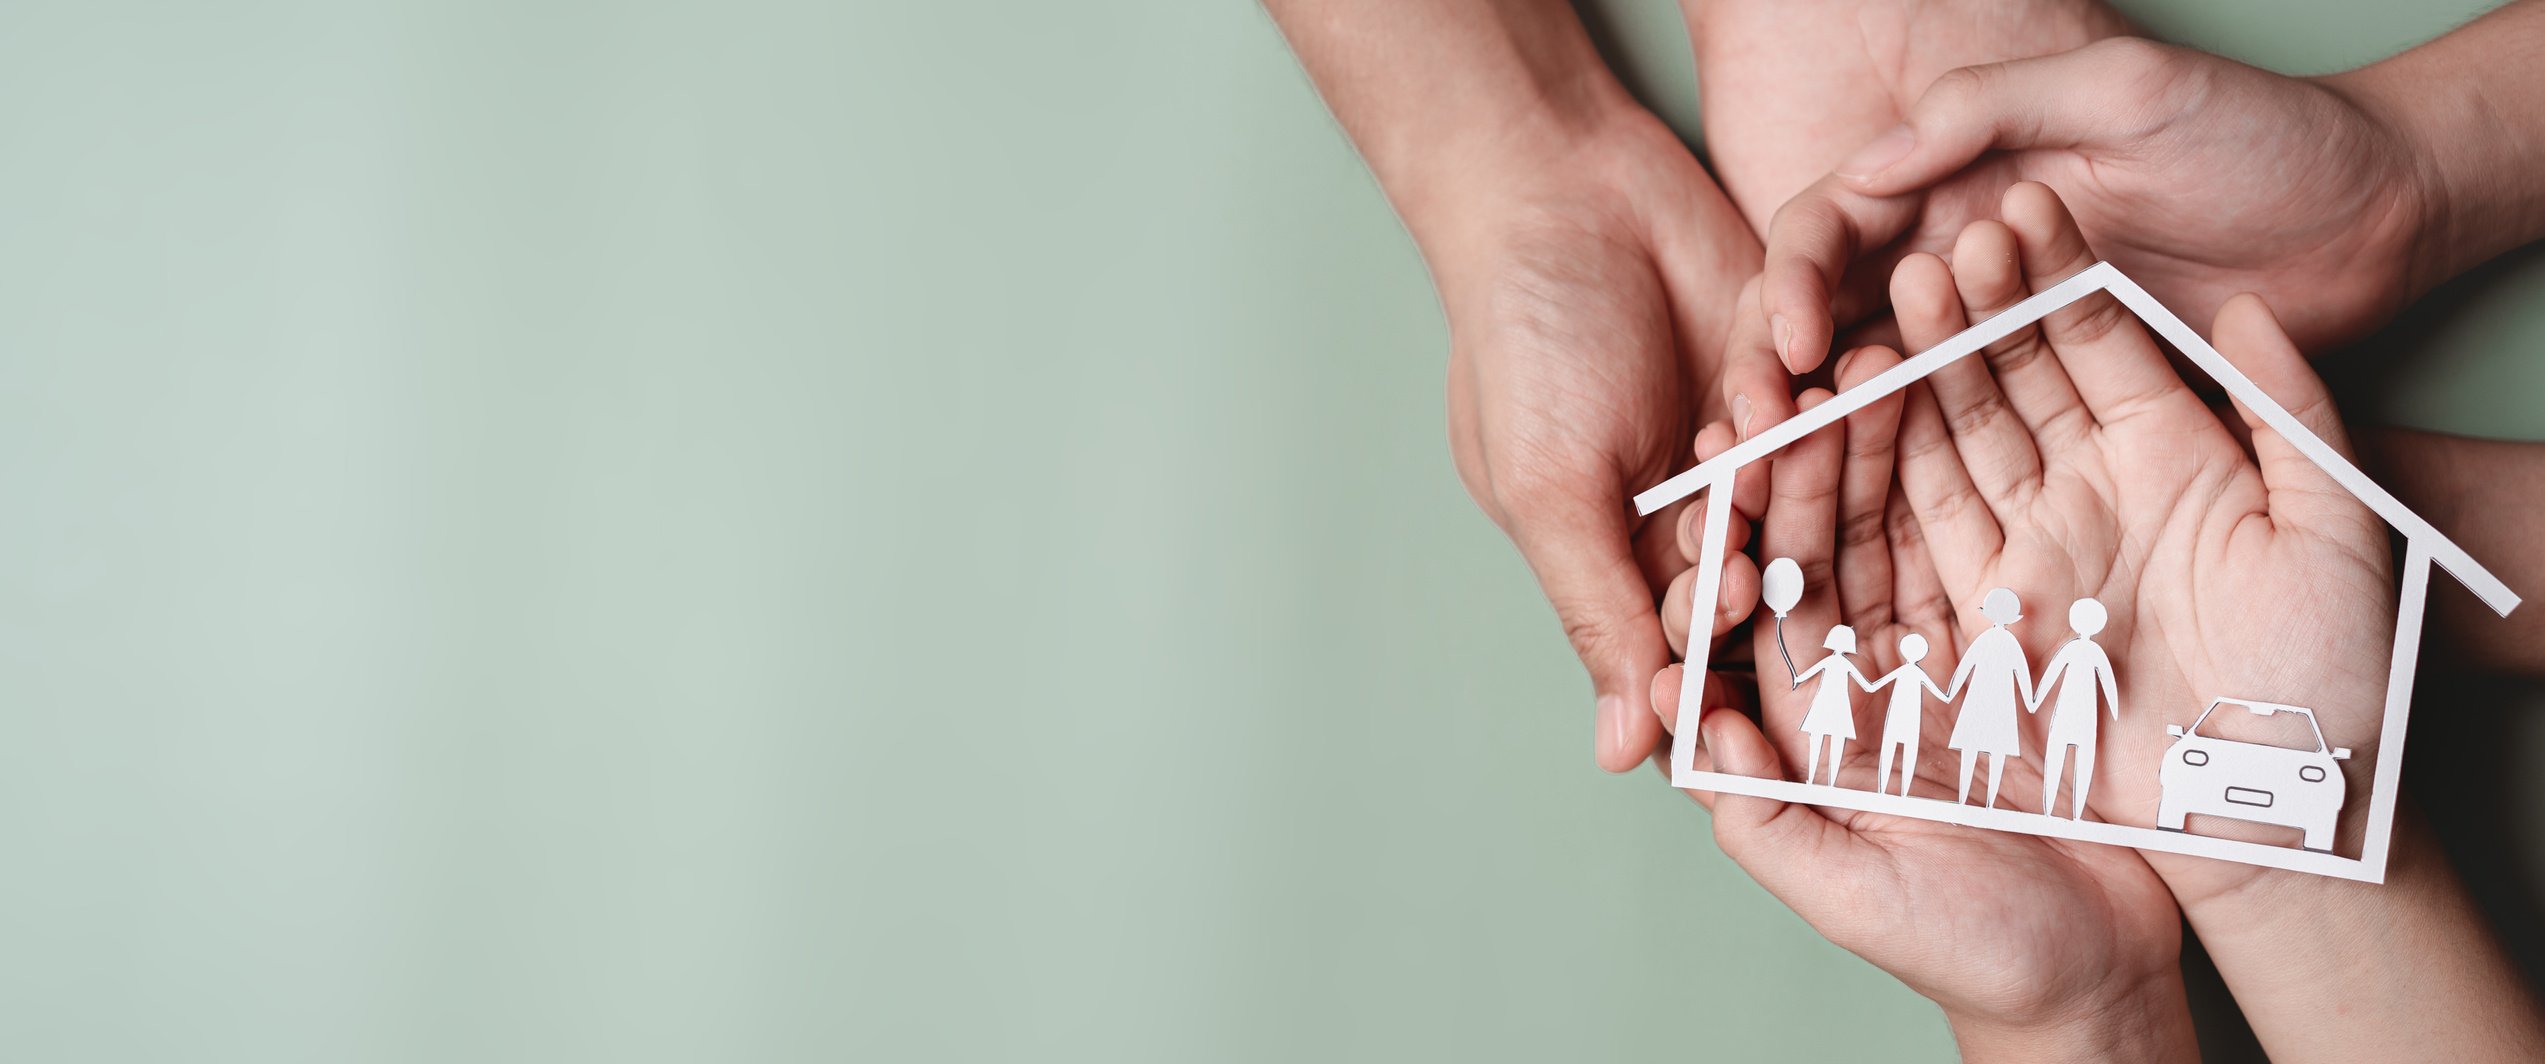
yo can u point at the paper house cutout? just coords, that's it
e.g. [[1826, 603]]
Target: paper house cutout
[[2424, 545]]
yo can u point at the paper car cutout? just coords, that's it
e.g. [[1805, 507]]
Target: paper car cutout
[[2261, 783]]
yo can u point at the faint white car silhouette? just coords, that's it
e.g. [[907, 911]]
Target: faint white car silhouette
[[2264, 784]]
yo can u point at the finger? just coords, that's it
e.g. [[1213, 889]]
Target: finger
[[1757, 389], [1811, 244], [1801, 524], [1736, 594], [1918, 597], [1584, 559], [2057, 101], [1789, 848], [1864, 489], [1712, 442], [2116, 366], [1665, 699], [1689, 221], [1996, 451], [1665, 704], [2301, 492], [1989, 271], [1959, 532], [1757, 393]]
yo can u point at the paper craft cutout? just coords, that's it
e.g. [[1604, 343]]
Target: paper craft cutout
[[1997, 675], [1781, 586], [2423, 546], [2258, 782], [1906, 713], [1832, 715], [2072, 716]]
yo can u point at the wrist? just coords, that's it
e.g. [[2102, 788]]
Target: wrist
[[2392, 956], [2148, 1022], [2469, 165], [1470, 182]]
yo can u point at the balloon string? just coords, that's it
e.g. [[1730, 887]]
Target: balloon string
[[1787, 655]]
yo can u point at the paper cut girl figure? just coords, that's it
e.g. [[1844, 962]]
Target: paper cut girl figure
[[1832, 715], [1909, 687], [1993, 680], [2080, 669]]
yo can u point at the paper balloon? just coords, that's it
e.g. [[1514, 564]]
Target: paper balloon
[[1781, 585]]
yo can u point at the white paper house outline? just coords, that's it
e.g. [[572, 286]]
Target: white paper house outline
[[2423, 546]]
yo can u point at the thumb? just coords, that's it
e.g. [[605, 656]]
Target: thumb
[[1786, 846], [1587, 567], [2093, 95], [2301, 492]]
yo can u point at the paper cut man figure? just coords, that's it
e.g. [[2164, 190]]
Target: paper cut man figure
[[2080, 669], [1993, 680], [1907, 711], [1833, 714]]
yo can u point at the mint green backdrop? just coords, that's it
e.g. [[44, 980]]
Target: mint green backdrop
[[799, 531]]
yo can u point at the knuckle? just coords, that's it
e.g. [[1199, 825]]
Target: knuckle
[[2091, 321], [1959, 90], [1863, 529], [1529, 490], [2132, 54], [2018, 354], [1956, 500], [1977, 415], [2067, 428], [1590, 632], [1816, 571]]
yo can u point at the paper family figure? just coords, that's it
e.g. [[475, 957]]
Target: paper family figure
[[1906, 712], [1832, 716], [2202, 774], [2080, 669], [1993, 679]]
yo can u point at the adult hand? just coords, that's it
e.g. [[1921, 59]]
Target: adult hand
[[1588, 299], [1789, 87], [2036, 948], [2199, 176], [1588, 266]]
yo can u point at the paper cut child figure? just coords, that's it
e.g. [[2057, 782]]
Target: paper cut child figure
[[1832, 715], [1999, 679], [1909, 687], [2080, 669]]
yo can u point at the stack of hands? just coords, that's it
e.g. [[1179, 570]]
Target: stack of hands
[[1916, 167]]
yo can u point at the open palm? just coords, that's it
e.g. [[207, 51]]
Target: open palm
[[2083, 466]]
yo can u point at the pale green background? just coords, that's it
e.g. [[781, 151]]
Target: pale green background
[[800, 531]]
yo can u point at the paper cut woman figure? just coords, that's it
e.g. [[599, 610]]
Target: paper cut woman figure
[[1993, 680], [1832, 715], [1909, 686], [2080, 669]]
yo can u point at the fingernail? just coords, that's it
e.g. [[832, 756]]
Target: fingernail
[[1783, 330], [1741, 415], [1877, 156], [1611, 714]]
